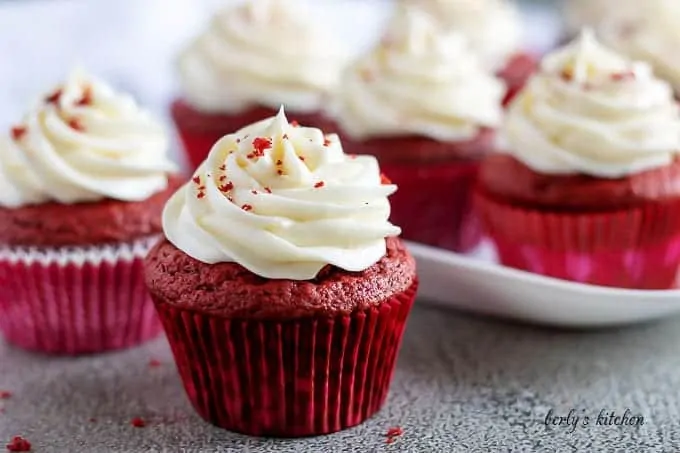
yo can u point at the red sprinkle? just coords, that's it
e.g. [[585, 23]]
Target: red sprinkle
[[86, 99], [154, 363], [279, 172], [226, 187], [254, 192], [200, 195], [396, 431], [18, 132], [384, 179], [268, 190], [260, 144], [196, 179], [279, 162], [223, 167], [294, 123], [621, 76], [319, 184], [138, 422], [302, 158], [230, 199], [4, 394], [18, 443], [223, 178], [75, 123], [247, 207], [326, 142], [284, 136], [54, 97], [367, 75]]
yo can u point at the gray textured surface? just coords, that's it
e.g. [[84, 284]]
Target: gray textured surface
[[462, 385]]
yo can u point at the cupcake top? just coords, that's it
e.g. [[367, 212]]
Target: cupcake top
[[83, 142], [261, 53], [283, 201], [648, 33], [493, 27], [591, 111], [418, 81]]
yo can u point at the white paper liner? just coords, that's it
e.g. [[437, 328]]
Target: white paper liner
[[94, 254]]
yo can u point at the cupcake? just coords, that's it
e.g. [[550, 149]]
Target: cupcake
[[422, 103], [281, 285], [251, 59], [588, 189], [649, 34], [494, 30], [83, 181]]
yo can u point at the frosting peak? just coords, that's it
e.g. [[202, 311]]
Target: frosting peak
[[83, 142], [261, 53], [492, 27], [418, 81], [592, 111], [283, 201]]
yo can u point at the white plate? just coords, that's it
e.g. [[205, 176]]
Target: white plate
[[476, 283]]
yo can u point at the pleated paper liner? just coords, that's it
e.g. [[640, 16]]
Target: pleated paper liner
[[433, 204], [635, 248], [293, 378], [76, 300]]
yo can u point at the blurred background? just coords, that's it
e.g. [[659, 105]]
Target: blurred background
[[132, 43]]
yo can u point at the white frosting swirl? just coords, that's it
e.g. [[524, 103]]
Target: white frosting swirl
[[261, 53], [493, 27], [593, 112], [283, 202], [648, 33], [83, 142], [419, 81]]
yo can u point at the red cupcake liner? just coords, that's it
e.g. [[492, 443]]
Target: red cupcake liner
[[637, 248], [433, 204], [76, 301], [199, 131], [516, 73], [292, 378]]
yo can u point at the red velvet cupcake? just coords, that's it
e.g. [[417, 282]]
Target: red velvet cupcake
[[250, 60], [83, 179], [589, 188], [281, 285], [493, 29], [422, 104]]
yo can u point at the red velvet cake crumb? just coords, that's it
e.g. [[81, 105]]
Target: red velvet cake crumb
[[18, 443], [138, 422]]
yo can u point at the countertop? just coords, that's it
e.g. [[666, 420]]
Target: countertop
[[462, 384]]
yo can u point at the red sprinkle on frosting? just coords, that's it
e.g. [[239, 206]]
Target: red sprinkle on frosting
[[222, 178], [18, 132], [260, 144], [268, 190], [294, 123], [200, 195], [18, 443], [326, 142], [302, 158], [319, 185], [247, 207], [284, 137], [226, 187], [385, 180], [54, 97], [279, 172], [223, 167], [74, 123], [254, 192], [86, 99], [196, 179], [396, 431], [138, 422], [279, 162], [621, 76]]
